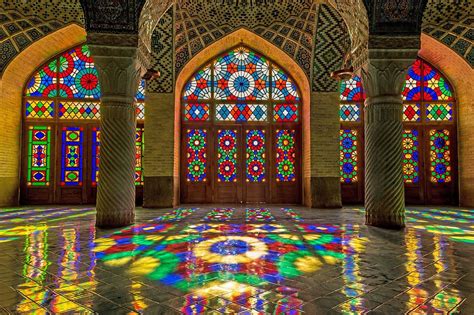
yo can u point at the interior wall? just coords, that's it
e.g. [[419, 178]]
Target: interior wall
[[461, 76], [249, 39], [12, 83], [159, 151]]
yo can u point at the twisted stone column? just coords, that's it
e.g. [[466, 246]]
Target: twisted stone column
[[383, 79], [119, 73]]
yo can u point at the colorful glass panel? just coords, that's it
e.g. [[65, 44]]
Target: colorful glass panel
[[44, 82], [285, 155], [39, 109], [241, 75], [39, 155], [440, 156], [439, 112], [196, 112], [79, 110], [285, 113], [411, 156], [283, 88], [435, 86], [255, 159], [140, 110], [227, 156], [241, 112], [140, 96], [413, 90], [351, 90], [71, 156], [78, 76], [199, 87], [139, 149], [95, 155], [349, 112], [349, 157], [411, 112], [196, 146]]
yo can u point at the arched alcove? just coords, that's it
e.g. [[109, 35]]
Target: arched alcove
[[253, 42]]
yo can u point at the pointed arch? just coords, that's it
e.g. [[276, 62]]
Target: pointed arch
[[11, 91], [461, 75], [260, 45]]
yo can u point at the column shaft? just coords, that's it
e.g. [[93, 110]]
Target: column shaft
[[383, 79], [119, 72]]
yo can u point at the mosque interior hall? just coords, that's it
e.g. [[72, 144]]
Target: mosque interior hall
[[237, 157]]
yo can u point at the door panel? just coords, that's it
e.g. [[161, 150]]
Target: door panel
[[286, 170], [228, 162], [195, 165], [256, 166]]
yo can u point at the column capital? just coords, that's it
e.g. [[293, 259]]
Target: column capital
[[119, 63], [389, 60]]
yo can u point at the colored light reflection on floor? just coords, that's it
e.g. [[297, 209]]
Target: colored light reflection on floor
[[219, 214], [258, 215], [176, 215], [262, 267], [292, 214]]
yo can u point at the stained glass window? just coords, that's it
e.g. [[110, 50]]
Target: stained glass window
[[43, 82], [140, 96], [39, 109], [199, 87], [349, 157], [424, 83], [283, 87], [95, 155], [241, 75], [285, 155], [196, 146], [351, 90], [285, 113], [78, 76], [255, 156], [140, 110], [428, 98], [227, 155], [349, 112], [39, 155], [411, 112], [241, 87], [71, 156], [439, 112], [196, 112], [410, 156], [241, 112], [79, 110], [139, 149], [440, 156], [63, 90]]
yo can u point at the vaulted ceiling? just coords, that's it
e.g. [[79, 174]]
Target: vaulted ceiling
[[310, 34]]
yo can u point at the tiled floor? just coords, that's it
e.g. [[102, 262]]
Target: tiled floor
[[223, 260]]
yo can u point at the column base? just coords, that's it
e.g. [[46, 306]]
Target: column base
[[158, 192], [115, 219], [390, 222], [326, 192]]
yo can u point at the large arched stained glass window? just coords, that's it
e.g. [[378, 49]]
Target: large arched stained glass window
[[428, 134], [62, 132], [255, 108]]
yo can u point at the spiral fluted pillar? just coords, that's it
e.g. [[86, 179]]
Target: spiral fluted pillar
[[383, 79], [119, 71]]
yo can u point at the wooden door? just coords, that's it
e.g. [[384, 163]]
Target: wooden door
[[227, 163], [256, 164]]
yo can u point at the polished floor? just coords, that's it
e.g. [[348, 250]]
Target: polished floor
[[222, 260]]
